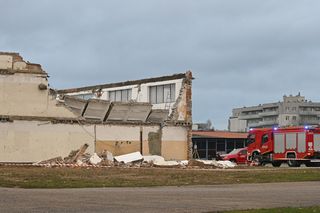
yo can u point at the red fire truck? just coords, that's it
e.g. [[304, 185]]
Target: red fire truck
[[293, 145]]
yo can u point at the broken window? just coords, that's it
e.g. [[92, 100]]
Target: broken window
[[120, 95], [162, 93]]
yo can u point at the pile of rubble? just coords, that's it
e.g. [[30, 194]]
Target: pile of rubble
[[79, 158]]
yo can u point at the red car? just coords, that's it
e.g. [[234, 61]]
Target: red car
[[237, 155]]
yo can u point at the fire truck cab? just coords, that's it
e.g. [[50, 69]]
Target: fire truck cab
[[293, 145]]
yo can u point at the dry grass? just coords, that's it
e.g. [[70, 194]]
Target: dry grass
[[36, 177]]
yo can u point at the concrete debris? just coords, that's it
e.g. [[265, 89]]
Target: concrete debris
[[52, 160], [224, 164], [80, 163], [207, 162], [213, 163], [184, 162], [170, 163], [76, 154], [129, 158], [135, 159], [152, 158], [95, 159], [159, 161], [195, 163], [107, 156]]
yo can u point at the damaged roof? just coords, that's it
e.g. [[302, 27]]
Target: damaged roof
[[125, 83], [106, 111], [16, 64]]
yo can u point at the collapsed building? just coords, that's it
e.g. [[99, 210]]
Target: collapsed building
[[152, 116]]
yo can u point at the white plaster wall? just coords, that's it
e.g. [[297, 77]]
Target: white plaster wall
[[32, 141], [118, 133], [174, 133], [6, 62], [20, 95], [124, 132], [19, 65]]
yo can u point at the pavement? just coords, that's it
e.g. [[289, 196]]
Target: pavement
[[161, 199]]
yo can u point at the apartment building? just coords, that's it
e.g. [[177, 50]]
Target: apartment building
[[291, 111]]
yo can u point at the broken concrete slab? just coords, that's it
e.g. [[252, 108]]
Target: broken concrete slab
[[77, 105], [139, 112], [109, 156], [128, 158], [158, 115], [96, 109], [131, 111], [152, 158], [95, 159], [106, 156]]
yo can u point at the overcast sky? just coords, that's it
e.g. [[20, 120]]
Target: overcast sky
[[241, 52]]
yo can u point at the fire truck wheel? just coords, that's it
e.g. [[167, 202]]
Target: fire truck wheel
[[312, 164], [256, 159], [276, 163], [293, 163]]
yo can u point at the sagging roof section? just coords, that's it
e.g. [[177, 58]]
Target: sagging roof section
[[76, 105], [125, 83], [178, 113], [129, 111], [104, 111], [158, 116], [96, 109]]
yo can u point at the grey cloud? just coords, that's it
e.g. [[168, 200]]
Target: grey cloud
[[241, 52]]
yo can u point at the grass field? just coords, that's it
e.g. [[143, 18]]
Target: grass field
[[38, 177], [313, 209]]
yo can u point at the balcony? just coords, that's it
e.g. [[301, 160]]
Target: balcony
[[268, 123], [269, 113], [249, 116], [263, 123], [309, 122], [314, 113]]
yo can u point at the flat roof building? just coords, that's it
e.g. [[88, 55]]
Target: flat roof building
[[292, 111], [210, 142]]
